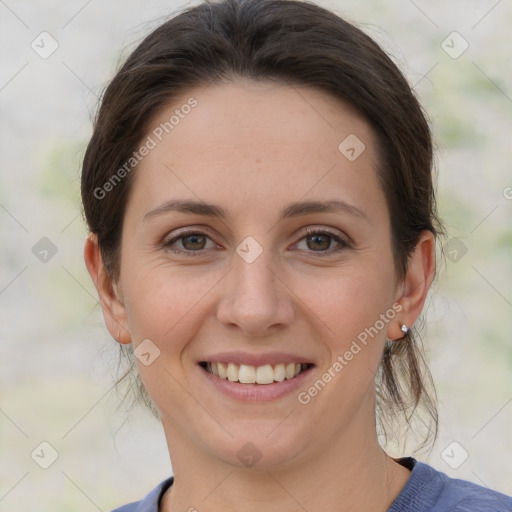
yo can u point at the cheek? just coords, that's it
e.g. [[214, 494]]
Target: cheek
[[164, 307], [350, 300], [354, 310], [163, 302]]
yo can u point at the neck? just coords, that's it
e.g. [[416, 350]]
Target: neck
[[350, 473]]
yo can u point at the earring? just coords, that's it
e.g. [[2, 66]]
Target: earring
[[404, 328]]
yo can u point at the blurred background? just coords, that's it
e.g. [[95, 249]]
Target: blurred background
[[64, 442]]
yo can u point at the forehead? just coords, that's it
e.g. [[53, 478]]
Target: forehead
[[257, 141], [251, 114]]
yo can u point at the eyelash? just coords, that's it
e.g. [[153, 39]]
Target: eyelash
[[344, 243]]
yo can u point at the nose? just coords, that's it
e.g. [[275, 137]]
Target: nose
[[255, 297]]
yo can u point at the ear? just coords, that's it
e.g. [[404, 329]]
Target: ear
[[412, 293], [114, 311]]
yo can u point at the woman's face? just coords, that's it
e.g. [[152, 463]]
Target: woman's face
[[251, 285]]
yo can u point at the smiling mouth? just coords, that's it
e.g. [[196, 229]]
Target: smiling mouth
[[247, 374]]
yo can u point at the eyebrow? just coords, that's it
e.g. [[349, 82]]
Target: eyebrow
[[292, 210]]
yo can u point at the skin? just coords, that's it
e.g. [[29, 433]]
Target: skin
[[253, 149]]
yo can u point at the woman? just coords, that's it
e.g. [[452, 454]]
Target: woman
[[258, 189]]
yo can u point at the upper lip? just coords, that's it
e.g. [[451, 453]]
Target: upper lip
[[247, 358]]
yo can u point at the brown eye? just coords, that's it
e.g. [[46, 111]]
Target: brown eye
[[320, 241], [190, 242], [193, 242]]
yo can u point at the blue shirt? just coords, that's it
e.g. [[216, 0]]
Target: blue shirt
[[427, 490]]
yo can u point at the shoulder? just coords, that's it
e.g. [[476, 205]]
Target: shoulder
[[151, 502], [430, 490], [463, 496]]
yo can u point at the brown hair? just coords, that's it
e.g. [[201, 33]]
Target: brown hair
[[298, 43]]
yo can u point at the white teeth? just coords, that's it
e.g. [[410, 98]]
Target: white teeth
[[290, 371], [279, 372], [232, 372], [264, 374], [247, 374], [221, 370]]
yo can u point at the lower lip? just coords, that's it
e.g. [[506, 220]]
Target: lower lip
[[257, 392]]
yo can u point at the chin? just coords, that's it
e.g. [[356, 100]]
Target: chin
[[264, 448]]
